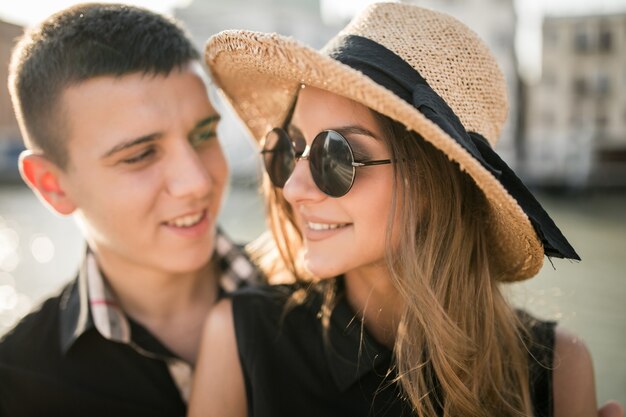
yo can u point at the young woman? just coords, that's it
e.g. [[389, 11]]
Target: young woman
[[398, 222]]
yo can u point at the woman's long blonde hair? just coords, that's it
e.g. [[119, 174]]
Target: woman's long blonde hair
[[459, 349]]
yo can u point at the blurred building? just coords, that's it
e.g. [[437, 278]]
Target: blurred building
[[300, 19], [576, 131], [495, 22], [10, 139]]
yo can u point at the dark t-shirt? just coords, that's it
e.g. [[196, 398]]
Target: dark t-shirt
[[293, 366], [79, 354], [95, 377]]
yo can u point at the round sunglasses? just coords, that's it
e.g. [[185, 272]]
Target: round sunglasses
[[330, 157]]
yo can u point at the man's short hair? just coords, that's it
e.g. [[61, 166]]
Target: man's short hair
[[83, 42]]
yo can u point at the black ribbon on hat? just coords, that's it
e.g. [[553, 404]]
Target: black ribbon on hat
[[390, 71]]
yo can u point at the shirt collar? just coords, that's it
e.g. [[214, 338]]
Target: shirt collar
[[351, 352], [90, 303], [74, 310]]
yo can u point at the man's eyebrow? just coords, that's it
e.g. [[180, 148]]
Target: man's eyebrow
[[208, 120], [130, 143]]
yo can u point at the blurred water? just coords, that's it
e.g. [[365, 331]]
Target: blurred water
[[40, 251]]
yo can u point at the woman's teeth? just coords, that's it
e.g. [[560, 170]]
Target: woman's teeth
[[186, 221], [324, 226]]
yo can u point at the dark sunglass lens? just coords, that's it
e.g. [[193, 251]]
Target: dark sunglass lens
[[278, 157], [297, 141], [331, 163]]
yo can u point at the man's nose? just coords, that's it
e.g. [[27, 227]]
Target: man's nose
[[187, 175]]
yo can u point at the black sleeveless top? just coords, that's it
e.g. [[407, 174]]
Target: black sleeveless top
[[292, 366]]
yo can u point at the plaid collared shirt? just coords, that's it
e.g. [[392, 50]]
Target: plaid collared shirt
[[98, 299]]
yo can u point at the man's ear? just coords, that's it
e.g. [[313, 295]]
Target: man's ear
[[43, 177]]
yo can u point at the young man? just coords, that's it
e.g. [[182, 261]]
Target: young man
[[120, 133]]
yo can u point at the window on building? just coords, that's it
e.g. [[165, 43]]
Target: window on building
[[605, 41], [582, 40]]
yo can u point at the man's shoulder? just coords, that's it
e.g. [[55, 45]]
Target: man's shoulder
[[38, 328]]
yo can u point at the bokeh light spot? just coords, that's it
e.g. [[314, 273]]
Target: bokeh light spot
[[42, 249]]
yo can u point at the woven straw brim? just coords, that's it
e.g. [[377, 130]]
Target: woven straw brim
[[260, 73]]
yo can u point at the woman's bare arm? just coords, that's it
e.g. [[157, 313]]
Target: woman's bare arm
[[574, 384], [218, 389]]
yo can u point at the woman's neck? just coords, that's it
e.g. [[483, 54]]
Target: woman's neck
[[371, 294]]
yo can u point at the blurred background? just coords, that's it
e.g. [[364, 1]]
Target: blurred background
[[565, 62]]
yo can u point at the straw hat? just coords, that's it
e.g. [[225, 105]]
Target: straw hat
[[422, 68]]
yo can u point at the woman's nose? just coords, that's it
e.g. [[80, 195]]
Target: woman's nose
[[300, 186]]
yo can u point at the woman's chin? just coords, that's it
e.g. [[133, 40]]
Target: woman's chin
[[321, 269]]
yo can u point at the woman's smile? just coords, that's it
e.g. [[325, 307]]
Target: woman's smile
[[316, 231]]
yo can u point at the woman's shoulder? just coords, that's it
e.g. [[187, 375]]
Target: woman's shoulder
[[266, 308], [561, 370], [550, 343], [574, 385]]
